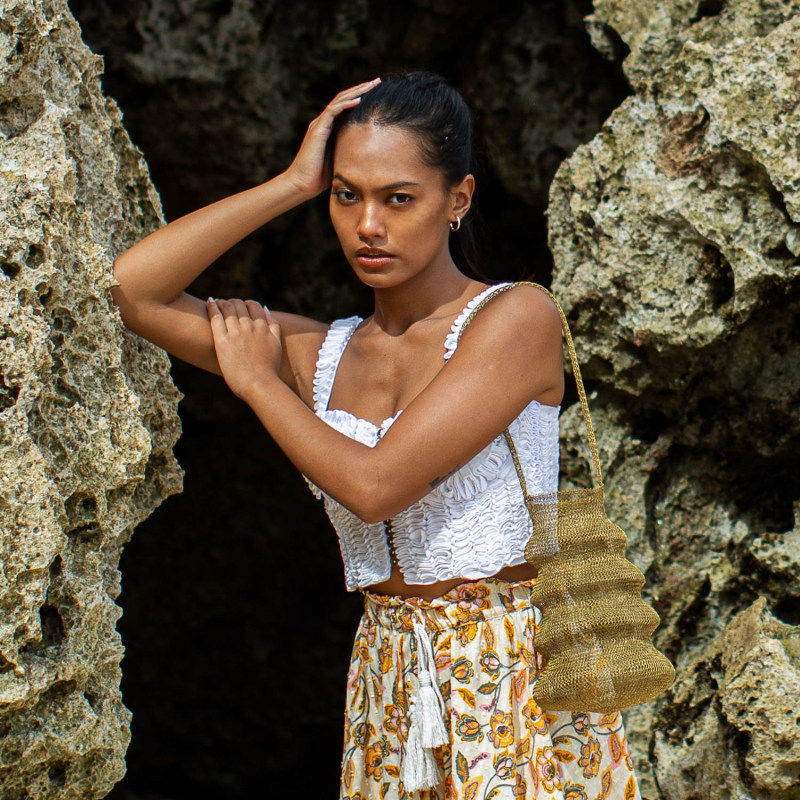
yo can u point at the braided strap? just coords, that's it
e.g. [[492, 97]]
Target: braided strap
[[576, 371]]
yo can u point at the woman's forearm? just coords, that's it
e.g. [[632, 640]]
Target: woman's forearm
[[159, 267], [342, 467]]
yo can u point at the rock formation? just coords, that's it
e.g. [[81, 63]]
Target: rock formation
[[731, 726], [87, 411], [676, 239]]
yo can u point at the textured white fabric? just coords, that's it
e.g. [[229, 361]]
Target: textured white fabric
[[471, 525]]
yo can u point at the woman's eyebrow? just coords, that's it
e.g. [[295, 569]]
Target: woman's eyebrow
[[386, 188]]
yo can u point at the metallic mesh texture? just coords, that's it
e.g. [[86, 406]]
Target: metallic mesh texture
[[595, 635]]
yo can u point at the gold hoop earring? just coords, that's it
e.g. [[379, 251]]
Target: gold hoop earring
[[454, 226]]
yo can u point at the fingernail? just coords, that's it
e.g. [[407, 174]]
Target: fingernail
[[210, 300]]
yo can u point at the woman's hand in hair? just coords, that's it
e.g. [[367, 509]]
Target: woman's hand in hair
[[247, 340], [308, 170]]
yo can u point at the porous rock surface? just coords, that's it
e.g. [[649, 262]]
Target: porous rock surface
[[87, 410], [675, 234], [734, 703]]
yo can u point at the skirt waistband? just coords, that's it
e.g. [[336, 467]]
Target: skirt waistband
[[466, 603]]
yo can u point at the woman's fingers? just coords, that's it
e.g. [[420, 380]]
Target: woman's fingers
[[258, 314], [354, 91], [215, 315], [246, 340], [308, 171], [235, 311], [240, 310], [348, 98]]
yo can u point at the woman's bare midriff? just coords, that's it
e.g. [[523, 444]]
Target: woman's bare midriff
[[398, 587]]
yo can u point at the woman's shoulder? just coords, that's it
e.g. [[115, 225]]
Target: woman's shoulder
[[512, 310], [517, 331]]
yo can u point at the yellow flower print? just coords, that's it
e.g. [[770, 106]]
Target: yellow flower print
[[547, 768], [520, 786], [580, 721], [626, 750], [466, 633], [462, 670], [502, 733], [374, 760], [504, 766], [590, 758], [385, 655], [346, 728], [534, 718], [362, 648], [406, 619], [529, 631], [527, 656], [490, 662], [371, 632], [472, 596], [396, 721], [468, 728], [362, 733], [574, 791], [610, 720]]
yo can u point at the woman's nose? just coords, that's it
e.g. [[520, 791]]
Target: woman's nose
[[370, 224]]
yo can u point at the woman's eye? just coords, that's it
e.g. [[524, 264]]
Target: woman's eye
[[344, 195], [399, 198]]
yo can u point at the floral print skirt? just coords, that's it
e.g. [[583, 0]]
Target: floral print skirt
[[501, 743]]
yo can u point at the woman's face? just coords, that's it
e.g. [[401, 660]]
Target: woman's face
[[386, 201]]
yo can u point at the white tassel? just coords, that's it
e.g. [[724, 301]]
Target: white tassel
[[431, 723], [427, 729], [419, 769]]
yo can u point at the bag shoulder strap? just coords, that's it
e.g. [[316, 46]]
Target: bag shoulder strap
[[576, 371]]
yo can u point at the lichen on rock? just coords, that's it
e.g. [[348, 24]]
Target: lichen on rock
[[87, 410]]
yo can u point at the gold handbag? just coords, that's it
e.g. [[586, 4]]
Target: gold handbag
[[595, 635]]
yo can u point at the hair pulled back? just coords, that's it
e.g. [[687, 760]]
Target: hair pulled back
[[428, 107]]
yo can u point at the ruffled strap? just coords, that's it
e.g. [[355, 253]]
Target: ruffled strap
[[451, 340], [328, 360]]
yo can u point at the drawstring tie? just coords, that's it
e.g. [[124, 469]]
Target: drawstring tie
[[427, 729]]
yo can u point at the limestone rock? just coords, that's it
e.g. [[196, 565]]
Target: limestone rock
[[732, 727], [538, 94], [87, 410], [675, 235], [688, 198]]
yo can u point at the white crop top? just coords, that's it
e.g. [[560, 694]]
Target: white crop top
[[473, 523]]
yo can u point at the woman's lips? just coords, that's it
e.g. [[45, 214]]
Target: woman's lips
[[373, 261]]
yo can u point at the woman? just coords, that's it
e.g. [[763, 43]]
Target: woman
[[397, 421]]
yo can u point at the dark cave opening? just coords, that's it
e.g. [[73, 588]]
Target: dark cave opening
[[236, 623]]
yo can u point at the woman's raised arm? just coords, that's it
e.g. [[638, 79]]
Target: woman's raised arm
[[154, 273]]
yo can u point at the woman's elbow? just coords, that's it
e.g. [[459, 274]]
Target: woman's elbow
[[366, 510], [371, 503], [125, 304]]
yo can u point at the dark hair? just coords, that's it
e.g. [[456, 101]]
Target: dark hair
[[427, 106]]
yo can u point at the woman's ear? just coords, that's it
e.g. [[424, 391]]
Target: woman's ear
[[461, 195]]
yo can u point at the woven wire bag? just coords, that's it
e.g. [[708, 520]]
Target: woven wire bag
[[595, 634]]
